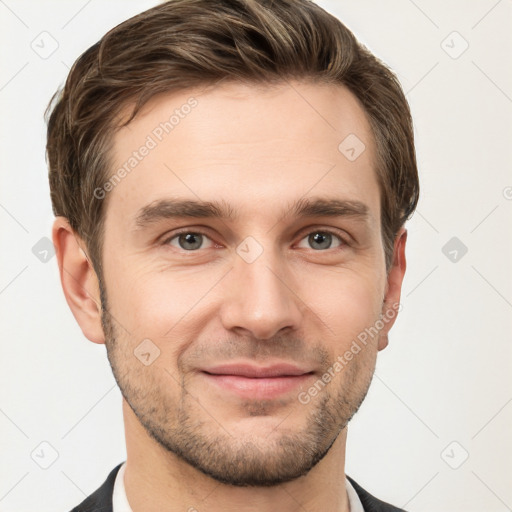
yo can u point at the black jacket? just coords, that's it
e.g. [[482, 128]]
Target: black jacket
[[101, 499]]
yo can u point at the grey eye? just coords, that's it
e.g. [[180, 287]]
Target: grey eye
[[189, 241], [321, 240]]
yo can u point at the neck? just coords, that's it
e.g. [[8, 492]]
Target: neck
[[155, 478]]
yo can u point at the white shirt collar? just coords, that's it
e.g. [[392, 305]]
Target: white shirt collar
[[353, 498], [120, 501]]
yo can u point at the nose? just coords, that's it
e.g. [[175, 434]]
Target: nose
[[261, 298]]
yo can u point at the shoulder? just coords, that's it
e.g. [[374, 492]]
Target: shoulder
[[101, 499], [371, 503]]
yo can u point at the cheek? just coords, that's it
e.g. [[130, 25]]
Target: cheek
[[158, 304], [346, 303]]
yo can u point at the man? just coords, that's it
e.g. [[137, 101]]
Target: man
[[230, 181]]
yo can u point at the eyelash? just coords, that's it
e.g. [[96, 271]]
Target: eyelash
[[342, 240]]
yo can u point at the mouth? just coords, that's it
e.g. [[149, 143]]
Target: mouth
[[257, 382]]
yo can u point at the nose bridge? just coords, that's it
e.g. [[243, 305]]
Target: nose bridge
[[260, 299]]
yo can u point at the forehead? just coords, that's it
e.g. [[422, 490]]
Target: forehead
[[254, 148]]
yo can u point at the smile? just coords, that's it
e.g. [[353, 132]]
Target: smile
[[249, 381]]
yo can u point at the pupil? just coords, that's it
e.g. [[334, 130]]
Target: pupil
[[324, 239], [190, 239]]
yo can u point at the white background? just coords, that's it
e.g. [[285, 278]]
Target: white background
[[445, 376]]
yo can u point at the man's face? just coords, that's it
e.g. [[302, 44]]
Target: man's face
[[247, 312]]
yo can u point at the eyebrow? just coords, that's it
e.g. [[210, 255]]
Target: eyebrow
[[303, 208]]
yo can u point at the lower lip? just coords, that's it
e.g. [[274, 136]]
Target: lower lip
[[262, 388]]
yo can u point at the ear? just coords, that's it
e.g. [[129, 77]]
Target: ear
[[79, 281], [393, 288]]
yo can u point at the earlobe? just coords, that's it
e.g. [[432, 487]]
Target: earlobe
[[383, 341], [393, 287], [79, 281]]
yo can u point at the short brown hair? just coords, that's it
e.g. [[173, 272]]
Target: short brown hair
[[181, 44]]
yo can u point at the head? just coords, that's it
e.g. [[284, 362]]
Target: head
[[231, 182]]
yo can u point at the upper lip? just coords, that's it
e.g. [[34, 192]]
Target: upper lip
[[253, 371]]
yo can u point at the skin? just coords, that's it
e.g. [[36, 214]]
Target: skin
[[258, 150]]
